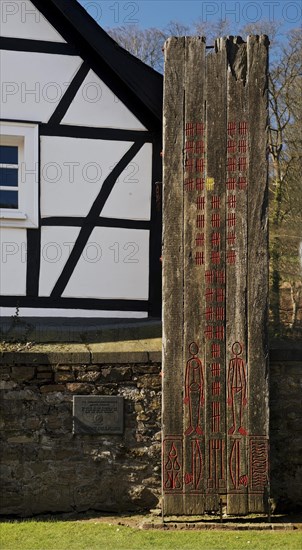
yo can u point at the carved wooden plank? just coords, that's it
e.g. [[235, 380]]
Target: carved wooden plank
[[257, 86], [194, 252], [173, 277], [214, 300], [236, 276]]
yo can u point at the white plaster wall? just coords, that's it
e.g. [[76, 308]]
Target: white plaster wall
[[96, 105], [114, 264], [32, 84], [56, 245], [71, 313], [73, 171], [13, 245], [131, 195], [21, 19]]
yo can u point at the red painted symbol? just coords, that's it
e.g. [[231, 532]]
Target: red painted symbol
[[189, 146], [219, 332], [200, 147], [231, 256], [215, 369], [189, 129], [189, 165], [200, 165], [215, 201], [219, 314], [242, 164], [215, 417], [189, 184], [231, 219], [199, 129], [231, 237], [220, 295], [216, 464], [194, 390], [216, 387], [239, 480], [231, 165], [242, 183], [231, 147], [209, 276], [194, 477], [215, 239], [199, 184], [231, 201], [215, 257], [210, 314], [215, 220], [258, 464], [232, 128], [242, 128], [231, 184], [209, 332], [242, 146], [237, 389], [199, 240], [199, 258], [220, 277], [172, 465], [200, 221], [200, 203], [216, 350], [209, 295]]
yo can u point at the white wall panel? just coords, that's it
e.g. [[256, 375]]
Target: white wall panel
[[73, 171], [13, 243], [71, 313], [114, 264], [56, 244], [131, 195], [21, 19], [96, 105], [32, 84]]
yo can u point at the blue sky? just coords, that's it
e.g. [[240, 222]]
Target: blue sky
[[157, 13]]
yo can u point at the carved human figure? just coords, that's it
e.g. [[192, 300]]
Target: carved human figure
[[194, 390], [237, 389]]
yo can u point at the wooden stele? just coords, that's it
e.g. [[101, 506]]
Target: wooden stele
[[215, 277]]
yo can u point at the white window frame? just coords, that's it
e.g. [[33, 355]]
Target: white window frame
[[26, 138]]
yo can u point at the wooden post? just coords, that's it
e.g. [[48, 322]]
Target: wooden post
[[215, 265]]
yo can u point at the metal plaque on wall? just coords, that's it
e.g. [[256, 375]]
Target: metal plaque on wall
[[98, 414]]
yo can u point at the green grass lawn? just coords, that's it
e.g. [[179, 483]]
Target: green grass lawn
[[77, 535]]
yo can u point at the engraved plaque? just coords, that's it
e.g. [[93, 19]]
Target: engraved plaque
[[98, 414]]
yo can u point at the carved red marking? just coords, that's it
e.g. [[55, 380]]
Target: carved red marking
[[237, 389], [231, 184], [200, 149], [209, 313], [189, 146], [215, 350], [209, 276], [194, 477], [199, 240], [219, 314], [199, 184], [200, 221], [231, 256], [231, 147], [215, 239], [215, 257], [189, 129], [232, 128], [231, 219], [215, 202], [216, 387], [242, 183], [215, 369], [242, 164], [189, 165], [237, 478], [215, 417], [199, 129], [258, 464], [208, 332], [199, 258], [219, 332], [209, 295], [231, 201], [242, 128], [189, 184], [200, 165], [231, 238], [172, 478], [220, 295], [215, 220], [194, 390], [242, 146], [220, 277], [231, 165], [216, 464], [200, 203]]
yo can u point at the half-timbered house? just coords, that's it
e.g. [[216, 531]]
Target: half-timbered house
[[79, 166]]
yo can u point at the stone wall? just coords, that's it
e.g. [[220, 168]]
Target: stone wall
[[47, 468]]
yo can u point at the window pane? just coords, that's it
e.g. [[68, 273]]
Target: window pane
[[8, 154], [8, 199], [9, 176]]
